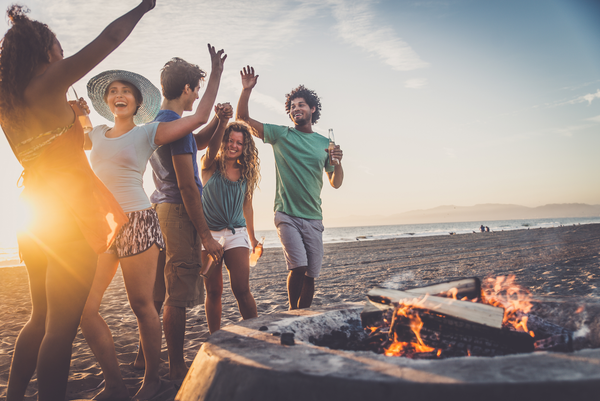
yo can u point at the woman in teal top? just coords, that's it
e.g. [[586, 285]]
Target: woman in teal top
[[230, 174]]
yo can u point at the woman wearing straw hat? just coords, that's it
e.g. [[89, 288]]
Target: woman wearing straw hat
[[119, 157], [74, 216]]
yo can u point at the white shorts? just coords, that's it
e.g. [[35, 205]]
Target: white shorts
[[238, 240]]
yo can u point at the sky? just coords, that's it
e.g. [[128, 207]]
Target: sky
[[453, 102]]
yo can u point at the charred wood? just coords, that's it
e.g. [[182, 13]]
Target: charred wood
[[458, 337]]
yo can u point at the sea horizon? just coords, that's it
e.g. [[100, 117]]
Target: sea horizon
[[9, 256]]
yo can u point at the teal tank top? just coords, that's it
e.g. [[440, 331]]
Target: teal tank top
[[223, 202]]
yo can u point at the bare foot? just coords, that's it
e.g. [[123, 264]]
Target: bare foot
[[139, 363], [113, 394], [177, 374], [148, 390]]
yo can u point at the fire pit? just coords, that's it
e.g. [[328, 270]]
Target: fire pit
[[248, 362]]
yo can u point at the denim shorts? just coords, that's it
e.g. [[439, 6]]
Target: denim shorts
[[138, 234], [182, 285], [302, 241]]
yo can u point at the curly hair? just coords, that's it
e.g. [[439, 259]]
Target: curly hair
[[23, 49], [248, 161], [176, 74], [309, 96]]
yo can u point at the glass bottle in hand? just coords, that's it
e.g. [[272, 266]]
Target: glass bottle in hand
[[257, 252], [332, 160], [84, 117], [206, 271]]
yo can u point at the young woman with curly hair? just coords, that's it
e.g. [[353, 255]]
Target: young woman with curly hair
[[230, 174], [74, 216]]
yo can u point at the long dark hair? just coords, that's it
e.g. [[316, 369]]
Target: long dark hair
[[23, 49]]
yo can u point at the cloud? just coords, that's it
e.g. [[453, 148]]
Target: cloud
[[415, 83], [356, 24], [579, 86], [595, 119], [570, 130], [589, 97], [581, 99]]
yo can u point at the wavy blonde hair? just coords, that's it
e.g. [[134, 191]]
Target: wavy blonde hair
[[248, 161]]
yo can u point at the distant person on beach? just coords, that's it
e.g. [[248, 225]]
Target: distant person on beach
[[230, 174], [482, 228], [487, 229], [74, 216], [300, 157], [177, 200], [119, 156]]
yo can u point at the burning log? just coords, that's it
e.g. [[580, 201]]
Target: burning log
[[483, 314], [437, 326], [430, 322], [375, 313], [452, 336], [549, 336]]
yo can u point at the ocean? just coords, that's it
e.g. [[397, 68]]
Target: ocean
[[9, 256]]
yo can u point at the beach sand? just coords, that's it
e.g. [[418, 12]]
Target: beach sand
[[551, 262]]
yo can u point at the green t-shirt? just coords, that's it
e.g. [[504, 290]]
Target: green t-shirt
[[299, 160]]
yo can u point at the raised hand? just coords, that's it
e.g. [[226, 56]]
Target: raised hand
[[224, 111], [248, 78], [217, 58], [83, 105], [149, 3]]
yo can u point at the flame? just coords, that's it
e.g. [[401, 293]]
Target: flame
[[400, 348], [501, 292], [516, 300]]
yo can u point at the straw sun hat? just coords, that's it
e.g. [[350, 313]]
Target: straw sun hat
[[97, 86]]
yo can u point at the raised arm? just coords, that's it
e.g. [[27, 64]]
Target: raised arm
[[63, 73], [249, 81], [224, 113], [206, 133], [168, 132]]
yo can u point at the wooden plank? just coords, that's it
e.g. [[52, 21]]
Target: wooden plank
[[468, 287], [473, 312]]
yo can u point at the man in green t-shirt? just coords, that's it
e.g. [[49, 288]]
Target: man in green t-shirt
[[300, 157]]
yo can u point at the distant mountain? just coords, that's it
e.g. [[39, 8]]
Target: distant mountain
[[484, 212]]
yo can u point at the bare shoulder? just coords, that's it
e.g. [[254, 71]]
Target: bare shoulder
[[45, 109]]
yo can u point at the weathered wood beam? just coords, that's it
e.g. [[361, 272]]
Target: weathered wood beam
[[470, 311]]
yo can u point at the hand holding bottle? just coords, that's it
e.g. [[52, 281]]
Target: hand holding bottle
[[257, 252]]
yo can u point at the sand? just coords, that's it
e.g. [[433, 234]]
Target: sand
[[551, 262]]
